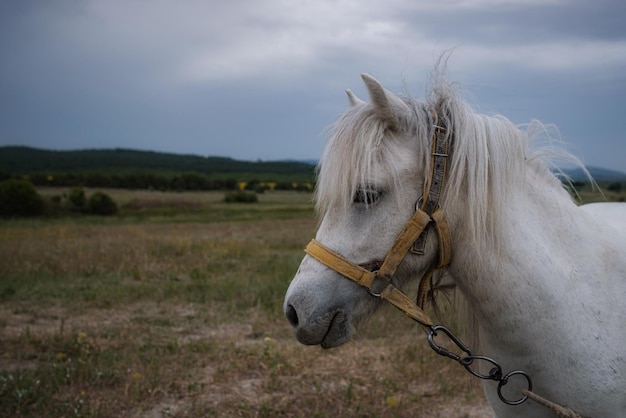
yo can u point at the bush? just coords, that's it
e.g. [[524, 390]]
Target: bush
[[77, 199], [240, 197], [19, 198], [615, 187], [101, 204]]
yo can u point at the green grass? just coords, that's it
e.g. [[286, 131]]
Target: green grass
[[178, 315], [107, 265], [204, 207]]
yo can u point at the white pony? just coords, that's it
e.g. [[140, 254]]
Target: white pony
[[545, 278]]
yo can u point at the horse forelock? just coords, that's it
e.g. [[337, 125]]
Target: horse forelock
[[360, 150]]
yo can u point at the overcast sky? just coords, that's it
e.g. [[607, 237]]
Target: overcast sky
[[261, 79]]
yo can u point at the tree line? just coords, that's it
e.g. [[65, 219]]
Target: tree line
[[151, 181], [25, 160], [147, 170]]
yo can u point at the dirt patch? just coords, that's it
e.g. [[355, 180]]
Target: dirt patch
[[255, 367]]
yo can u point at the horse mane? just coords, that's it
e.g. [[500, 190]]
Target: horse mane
[[489, 155]]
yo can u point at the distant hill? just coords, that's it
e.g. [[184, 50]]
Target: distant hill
[[601, 175], [19, 160], [26, 160]]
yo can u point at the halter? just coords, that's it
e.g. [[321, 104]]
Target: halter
[[377, 276]]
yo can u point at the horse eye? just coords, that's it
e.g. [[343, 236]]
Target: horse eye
[[366, 196]]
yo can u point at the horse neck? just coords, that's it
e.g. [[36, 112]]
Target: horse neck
[[509, 274]]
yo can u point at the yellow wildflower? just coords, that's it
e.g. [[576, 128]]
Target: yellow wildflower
[[392, 401]]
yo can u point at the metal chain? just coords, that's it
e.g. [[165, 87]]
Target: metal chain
[[468, 359]]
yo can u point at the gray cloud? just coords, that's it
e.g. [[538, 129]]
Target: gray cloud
[[261, 79]]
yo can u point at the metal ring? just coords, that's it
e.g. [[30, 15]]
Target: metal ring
[[495, 372], [384, 281], [376, 295], [505, 380], [419, 203]]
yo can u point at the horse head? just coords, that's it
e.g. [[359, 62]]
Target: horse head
[[370, 178]]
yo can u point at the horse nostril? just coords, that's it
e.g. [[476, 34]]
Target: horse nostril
[[292, 315]]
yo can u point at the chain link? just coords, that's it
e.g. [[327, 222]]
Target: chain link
[[469, 358]]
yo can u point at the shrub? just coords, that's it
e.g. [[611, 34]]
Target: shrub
[[19, 198], [615, 187], [77, 199], [101, 204], [240, 197]]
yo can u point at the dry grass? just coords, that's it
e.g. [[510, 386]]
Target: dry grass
[[182, 318]]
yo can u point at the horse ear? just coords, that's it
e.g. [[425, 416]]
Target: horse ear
[[354, 100], [388, 106]]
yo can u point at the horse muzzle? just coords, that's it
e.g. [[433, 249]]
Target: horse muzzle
[[328, 329], [322, 307]]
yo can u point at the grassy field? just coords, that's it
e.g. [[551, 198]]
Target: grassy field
[[173, 308]]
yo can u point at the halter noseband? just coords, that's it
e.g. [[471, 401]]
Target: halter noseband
[[378, 281]]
